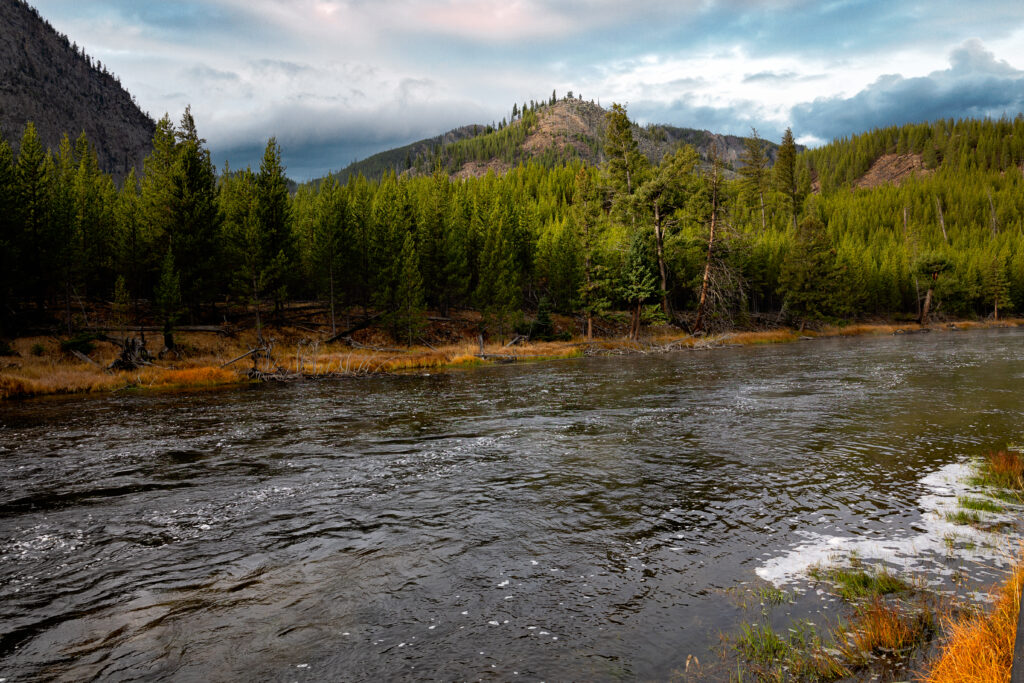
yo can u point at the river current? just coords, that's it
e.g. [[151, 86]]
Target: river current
[[589, 519]]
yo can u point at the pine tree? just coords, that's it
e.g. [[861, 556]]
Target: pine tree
[[33, 182], [408, 320], [167, 297], [808, 280], [8, 235], [65, 234], [194, 216], [586, 217], [274, 223], [754, 170], [664, 191], [624, 160], [786, 174], [637, 283], [330, 240], [132, 241]]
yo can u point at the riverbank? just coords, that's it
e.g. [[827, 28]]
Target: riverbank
[[917, 620], [44, 366]]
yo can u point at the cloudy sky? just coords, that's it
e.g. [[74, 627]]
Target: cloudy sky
[[337, 80]]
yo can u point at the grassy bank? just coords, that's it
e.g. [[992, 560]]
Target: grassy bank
[[895, 627], [40, 366]]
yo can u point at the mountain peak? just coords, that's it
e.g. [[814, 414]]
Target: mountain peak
[[47, 79]]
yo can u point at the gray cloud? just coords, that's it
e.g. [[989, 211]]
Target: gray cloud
[[315, 138], [736, 119], [975, 85]]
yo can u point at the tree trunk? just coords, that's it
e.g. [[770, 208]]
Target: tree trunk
[[992, 213], [923, 320], [659, 240], [942, 220], [590, 293], [764, 220], [256, 298], [67, 304], [334, 328], [698, 326]]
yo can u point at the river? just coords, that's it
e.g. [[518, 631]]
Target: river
[[589, 519]]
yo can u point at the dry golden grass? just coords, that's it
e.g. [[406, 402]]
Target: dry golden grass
[[979, 648], [862, 330], [887, 626], [765, 337], [43, 369]]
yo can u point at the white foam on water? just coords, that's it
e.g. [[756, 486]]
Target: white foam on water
[[914, 549]]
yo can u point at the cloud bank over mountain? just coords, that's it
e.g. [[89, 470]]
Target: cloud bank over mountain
[[335, 80]]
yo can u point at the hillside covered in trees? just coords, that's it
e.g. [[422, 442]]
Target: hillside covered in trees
[[550, 133], [629, 240], [47, 79]]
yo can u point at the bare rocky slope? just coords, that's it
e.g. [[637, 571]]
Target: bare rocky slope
[[569, 128], [47, 79]]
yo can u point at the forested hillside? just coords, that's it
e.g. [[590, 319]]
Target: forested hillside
[[550, 133], [628, 240], [47, 79]]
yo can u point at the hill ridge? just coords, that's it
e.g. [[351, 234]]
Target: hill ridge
[[49, 80]]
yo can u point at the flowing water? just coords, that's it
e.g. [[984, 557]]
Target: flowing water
[[590, 519]]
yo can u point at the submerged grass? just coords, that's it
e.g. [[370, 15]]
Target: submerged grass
[[979, 504], [799, 654], [856, 583], [963, 517]]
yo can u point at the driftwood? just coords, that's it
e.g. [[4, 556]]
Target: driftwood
[[366, 322], [499, 357], [82, 357], [244, 355], [133, 355]]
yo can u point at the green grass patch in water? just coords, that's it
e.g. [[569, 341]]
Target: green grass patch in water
[[979, 504]]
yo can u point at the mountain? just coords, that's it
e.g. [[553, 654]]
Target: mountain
[[549, 134], [47, 79]]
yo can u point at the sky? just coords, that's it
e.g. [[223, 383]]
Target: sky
[[338, 80]]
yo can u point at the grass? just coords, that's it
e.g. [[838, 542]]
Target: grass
[[1000, 470], [979, 645], [798, 654], [770, 595], [41, 366], [857, 583], [887, 627], [963, 517], [979, 504], [879, 628]]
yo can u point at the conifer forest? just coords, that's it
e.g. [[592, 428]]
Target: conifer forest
[[687, 239]]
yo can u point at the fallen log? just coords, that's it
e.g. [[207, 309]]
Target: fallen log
[[352, 330], [244, 355]]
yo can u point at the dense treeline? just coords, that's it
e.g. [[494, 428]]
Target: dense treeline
[[675, 240]]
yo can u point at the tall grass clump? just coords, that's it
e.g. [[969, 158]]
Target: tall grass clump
[[979, 645]]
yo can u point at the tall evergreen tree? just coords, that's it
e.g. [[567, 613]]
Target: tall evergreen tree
[[274, 222], [194, 216], [786, 174], [408, 320], [638, 284], [33, 181], [8, 235], [586, 219], [664, 191], [754, 171]]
